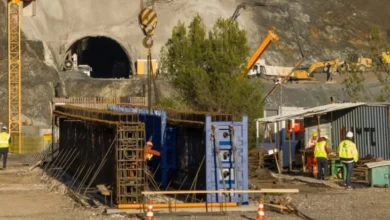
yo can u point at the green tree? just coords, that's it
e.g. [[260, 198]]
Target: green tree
[[378, 45], [354, 80], [203, 69]]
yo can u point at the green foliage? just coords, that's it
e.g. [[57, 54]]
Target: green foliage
[[376, 33], [381, 69], [354, 84], [354, 81], [203, 68]]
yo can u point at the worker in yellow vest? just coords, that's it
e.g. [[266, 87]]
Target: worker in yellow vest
[[5, 141], [321, 154], [349, 156]]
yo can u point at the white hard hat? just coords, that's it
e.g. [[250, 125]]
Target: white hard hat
[[349, 134], [4, 128]]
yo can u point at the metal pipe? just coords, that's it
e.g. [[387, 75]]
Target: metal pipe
[[220, 191], [66, 169], [104, 159], [178, 205]]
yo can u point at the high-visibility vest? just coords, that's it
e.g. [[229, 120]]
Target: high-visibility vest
[[347, 149], [150, 156], [319, 150], [4, 139]]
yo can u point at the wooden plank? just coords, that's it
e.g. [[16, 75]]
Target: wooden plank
[[220, 191], [103, 190], [35, 165]]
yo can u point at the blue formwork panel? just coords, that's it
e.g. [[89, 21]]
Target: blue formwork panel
[[226, 173], [163, 137]]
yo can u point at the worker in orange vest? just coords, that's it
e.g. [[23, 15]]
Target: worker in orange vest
[[148, 155], [309, 151]]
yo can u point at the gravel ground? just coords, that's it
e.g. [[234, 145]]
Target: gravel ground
[[24, 196]]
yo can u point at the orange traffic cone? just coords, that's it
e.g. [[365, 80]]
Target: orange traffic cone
[[260, 211], [149, 213]]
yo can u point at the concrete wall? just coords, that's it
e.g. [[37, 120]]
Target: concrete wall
[[60, 23]]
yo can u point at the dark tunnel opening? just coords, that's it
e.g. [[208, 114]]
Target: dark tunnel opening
[[105, 56]]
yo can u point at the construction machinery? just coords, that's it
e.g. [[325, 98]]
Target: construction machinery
[[308, 74], [257, 54], [385, 57], [261, 48], [354, 63], [265, 43], [14, 13]]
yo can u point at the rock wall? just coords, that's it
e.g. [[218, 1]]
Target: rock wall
[[327, 30]]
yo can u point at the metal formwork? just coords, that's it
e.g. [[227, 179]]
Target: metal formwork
[[227, 159], [101, 147], [189, 146], [163, 140]]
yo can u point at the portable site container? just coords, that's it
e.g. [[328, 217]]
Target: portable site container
[[281, 132], [189, 143], [368, 121]]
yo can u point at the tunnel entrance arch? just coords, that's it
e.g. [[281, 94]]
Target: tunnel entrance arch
[[106, 57]]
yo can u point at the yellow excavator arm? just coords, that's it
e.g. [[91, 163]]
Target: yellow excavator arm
[[316, 65], [257, 54]]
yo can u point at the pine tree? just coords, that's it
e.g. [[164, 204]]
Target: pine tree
[[203, 68]]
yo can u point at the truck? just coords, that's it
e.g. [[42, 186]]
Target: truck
[[261, 69]]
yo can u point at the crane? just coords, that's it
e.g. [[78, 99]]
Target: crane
[[277, 86], [271, 37], [260, 49], [14, 8]]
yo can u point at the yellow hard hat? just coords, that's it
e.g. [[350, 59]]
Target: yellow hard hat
[[315, 134]]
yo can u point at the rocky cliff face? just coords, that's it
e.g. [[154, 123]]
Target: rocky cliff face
[[38, 79], [326, 29]]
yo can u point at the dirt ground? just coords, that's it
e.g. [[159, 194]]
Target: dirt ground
[[23, 195]]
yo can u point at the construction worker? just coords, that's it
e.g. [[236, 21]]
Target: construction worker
[[328, 70], [309, 150], [349, 156], [75, 62], [321, 154], [148, 152], [148, 155], [5, 141]]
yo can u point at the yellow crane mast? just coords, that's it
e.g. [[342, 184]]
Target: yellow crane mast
[[14, 71]]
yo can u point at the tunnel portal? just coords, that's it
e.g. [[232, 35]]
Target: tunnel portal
[[105, 56]]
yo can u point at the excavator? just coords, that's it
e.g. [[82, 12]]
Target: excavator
[[271, 37], [308, 74]]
